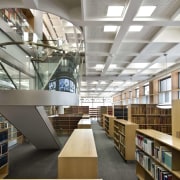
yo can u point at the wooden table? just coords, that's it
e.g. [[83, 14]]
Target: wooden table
[[84, 124], [78, 159]]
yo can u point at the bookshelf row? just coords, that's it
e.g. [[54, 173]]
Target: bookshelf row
[[3, 153], [157, 155], [149, 116], [145, 115], [65, 123], [124, 135], [77, 110], [103, 110], [93, 112]]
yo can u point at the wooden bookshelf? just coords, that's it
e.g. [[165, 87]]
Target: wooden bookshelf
[[120, 112], [65, 123], [78, 158], [93, 112], [175, 118], [77, 110], [109, 125], [4, 153], [148, 116], [157, 155], [103, 110], [84, 124], [124, 138]]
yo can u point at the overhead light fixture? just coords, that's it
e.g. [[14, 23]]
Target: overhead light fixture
[[165, 105], [112, 66], [110, 28], [135, 28], [103, 82], [145, 11], [115, 11], [99, 66]]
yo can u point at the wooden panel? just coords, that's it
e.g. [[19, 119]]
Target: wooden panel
[[175, 118], [125, 138], [78, 158]]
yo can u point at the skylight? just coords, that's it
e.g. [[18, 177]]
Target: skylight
[[145, 11], [112, 66], [115, 11], [99, 66], [135, 28], [110, 28], [103, 82], [137, 65]]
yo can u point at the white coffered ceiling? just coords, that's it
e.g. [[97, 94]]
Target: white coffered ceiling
[[116, 60]]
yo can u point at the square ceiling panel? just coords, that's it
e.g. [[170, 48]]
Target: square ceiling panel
[[122, 59], [130, 47], [146, 34], [105, 47], [96, 59], [97, 33]]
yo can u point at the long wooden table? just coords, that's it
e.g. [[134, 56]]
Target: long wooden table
[[84, 124], [78, 158]]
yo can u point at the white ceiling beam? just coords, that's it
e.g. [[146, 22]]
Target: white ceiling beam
[[150, 22], [131, 12]]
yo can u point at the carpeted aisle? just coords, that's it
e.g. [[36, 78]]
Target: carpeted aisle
[[111, 165], [26, 162]]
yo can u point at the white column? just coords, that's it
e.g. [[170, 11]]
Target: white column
[[60, 110]]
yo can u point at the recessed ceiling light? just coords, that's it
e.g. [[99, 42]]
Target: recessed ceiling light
[[99, 66], [115, 10], [94, 82], [135, 28], [145, 11], [113, 66], [103, 82], [110, 28]]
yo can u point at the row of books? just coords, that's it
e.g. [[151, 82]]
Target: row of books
[[3, 148], [139, 120], [145, 144], [3, 160], [158, 120], [164, 155], [3, 136], [159, 173], [148, 109], [156, 171]]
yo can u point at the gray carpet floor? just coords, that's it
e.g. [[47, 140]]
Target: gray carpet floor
[[25, 161]]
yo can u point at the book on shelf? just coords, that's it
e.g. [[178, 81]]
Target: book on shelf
[[3, 160], [167, 158], [4, 148], [148, 146]]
